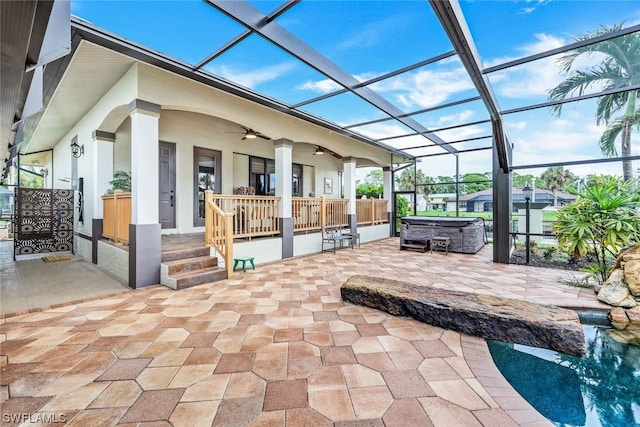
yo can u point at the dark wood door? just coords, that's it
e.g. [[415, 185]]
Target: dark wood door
[[167, 185]]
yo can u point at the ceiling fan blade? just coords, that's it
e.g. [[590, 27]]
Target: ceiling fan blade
[[259, 135]]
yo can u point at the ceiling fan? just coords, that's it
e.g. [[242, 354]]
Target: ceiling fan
[[319, 151], [251, 134]]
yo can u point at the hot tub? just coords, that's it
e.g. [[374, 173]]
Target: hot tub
[[467, 234]]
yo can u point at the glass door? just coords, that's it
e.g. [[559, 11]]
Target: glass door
[[207, 176]]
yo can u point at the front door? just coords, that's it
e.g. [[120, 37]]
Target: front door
[[167, 185]]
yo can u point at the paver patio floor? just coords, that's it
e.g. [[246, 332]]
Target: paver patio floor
[[272, 346]]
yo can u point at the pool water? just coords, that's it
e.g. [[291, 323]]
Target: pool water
[[599, 389]]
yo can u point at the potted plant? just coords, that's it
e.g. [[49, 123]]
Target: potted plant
[[121, 181], [246, 191]]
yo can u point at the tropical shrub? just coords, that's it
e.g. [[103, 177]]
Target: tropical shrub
[[402, 210], [121, 181], [604, 219]]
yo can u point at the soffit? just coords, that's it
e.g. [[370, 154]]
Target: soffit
[[91, 73]]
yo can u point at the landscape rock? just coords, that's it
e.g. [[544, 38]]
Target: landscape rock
[[616, 293], [485, 316], [618, 318], [632, 276], [629, 335], [634, 315], [627, 254]]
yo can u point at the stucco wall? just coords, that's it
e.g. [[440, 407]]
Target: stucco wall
[[114, 261], [82, 247]]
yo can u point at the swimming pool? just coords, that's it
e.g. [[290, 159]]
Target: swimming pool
[[600, 389]]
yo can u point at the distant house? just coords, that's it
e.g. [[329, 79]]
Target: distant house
[[482, 201], [439, 201]]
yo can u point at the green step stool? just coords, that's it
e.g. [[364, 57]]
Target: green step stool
[[244, 261]]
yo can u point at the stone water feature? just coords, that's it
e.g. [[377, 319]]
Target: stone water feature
[[485, 316], [622, 290]]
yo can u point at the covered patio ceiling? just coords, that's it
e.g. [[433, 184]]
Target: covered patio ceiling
[[423, 78]]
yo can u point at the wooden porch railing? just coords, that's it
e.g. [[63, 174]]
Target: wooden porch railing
[[311, 213], [218, 232], [116, 216], [253, 215], [306, 213], [371, 211]]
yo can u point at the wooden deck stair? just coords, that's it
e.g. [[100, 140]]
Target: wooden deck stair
[[185, 267]]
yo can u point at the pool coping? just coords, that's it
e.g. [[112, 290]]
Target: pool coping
[[501, 393]]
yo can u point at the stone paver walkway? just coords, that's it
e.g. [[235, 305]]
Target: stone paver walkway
[[273, 346]]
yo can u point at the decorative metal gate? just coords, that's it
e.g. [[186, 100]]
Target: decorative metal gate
[[43, 221]]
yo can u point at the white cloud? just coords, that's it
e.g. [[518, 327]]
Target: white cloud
[[413, 90], [382, 130], [426, 88], [369, 35], [254, 78], [462, 133], [517, 125], [530, 79], [320, 86], [461, 117], [531, 9]]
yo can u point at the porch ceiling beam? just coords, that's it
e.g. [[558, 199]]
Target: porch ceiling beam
[[253, 19], [452, 19]]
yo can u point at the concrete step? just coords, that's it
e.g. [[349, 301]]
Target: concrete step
[[191, 278], [183, 253], [190, 264]]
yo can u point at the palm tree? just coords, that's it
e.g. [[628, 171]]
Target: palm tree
[[556, 178], [619, 68], [426, 188]]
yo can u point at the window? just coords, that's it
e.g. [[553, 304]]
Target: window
[[262, 176], [296, 188]]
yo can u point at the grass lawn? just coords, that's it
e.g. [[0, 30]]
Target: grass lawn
[[485, 215], [546, 216]]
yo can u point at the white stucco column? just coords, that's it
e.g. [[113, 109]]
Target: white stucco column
[[349, 176], [144, 231], [144, 162], [284, 148], [102, 174], [102, 168], [387, 186], [387, 194], [350, 183]]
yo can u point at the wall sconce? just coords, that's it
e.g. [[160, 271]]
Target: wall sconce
[[76, 150]]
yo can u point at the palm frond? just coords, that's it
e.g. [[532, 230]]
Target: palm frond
[[607, 142]]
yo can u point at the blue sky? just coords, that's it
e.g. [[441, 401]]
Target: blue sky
[[371, 38]]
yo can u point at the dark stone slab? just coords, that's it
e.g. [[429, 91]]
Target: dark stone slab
[[485, 316]]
